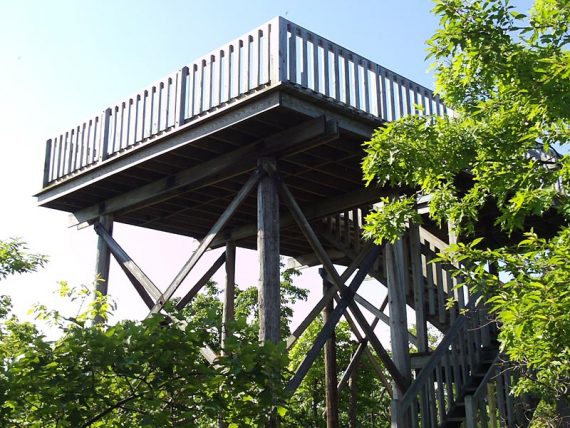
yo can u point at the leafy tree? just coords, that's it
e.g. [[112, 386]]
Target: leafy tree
[[133, 373], [492, 172]]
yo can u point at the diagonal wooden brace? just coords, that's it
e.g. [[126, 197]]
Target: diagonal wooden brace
[[317, 247], [334, 318], [205, 243], [201, 282], [327, 297], [144, 286]]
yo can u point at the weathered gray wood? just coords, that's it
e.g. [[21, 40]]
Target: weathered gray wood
[[470, 412], [268, 251], [378, 314], [228, 313], [398, 322], [328, 266], [315, 131], [201, 282], [321, 209], [103, 261], [144, 286], [397, 308], [352, 365], [353, 387], [331, 393], [326, 298], [205, 243], [419, 289], [329, 327], [436, 357]]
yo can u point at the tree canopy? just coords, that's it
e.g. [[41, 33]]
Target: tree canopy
[[492, 171]]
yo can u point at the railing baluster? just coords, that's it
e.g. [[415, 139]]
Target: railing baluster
[[356, 71], [316, 69], [326, 68], [346, 62], [366, 68], [304, 60], [292, 57], [336, 73]]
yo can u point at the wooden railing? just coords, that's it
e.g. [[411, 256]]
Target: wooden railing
[[278, 52], [452, 367]]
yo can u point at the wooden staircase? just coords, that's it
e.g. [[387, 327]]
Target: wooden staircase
[[465, 381]]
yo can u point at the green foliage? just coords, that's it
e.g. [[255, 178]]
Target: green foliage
[[14, 258], [145, 373], [506, 75]]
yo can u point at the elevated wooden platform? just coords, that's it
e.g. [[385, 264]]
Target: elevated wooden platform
[[172, 156]]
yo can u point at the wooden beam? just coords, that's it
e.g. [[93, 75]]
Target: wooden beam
[[320, 209], [205, 243], [307, 134], [352, 364], [167, 142], [331, 393], [378, 314], [102, 262], [269, 298], [328, 296], [228, 314], [144, 286], [329, 326], [328, 266], [201, 282], [397, 306]]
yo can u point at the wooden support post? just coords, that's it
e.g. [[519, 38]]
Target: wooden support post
[[103, 261], [268, 249], [229, 292], [331, 393], [395, 271], [352, 409]]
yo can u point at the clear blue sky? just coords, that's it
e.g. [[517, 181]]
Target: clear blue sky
[[64, 61]]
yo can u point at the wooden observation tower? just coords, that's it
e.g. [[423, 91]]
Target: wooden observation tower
[[258, 145]]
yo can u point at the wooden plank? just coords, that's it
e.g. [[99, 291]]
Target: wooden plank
[[201, 282], [131, 269], [103, 261], [228, 313], [205, 243], [318, 210], [315, 131], [418, 287], [378, 314], [331, 392], [325, 299], [328, 328], [354, 360], [328, 266], [397, 308], [269, 299]]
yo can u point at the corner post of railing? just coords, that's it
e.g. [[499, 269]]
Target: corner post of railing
[[104, 139], [180, 108], [278, 42], [470, 416], [47, 162]]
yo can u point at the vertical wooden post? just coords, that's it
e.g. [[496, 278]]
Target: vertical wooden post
[[103, 261], [229, 292], [396, 278], [331, 393], [268, 250], [353, 388], [269, 298]]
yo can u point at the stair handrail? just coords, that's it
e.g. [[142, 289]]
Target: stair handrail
[[439, 352]]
